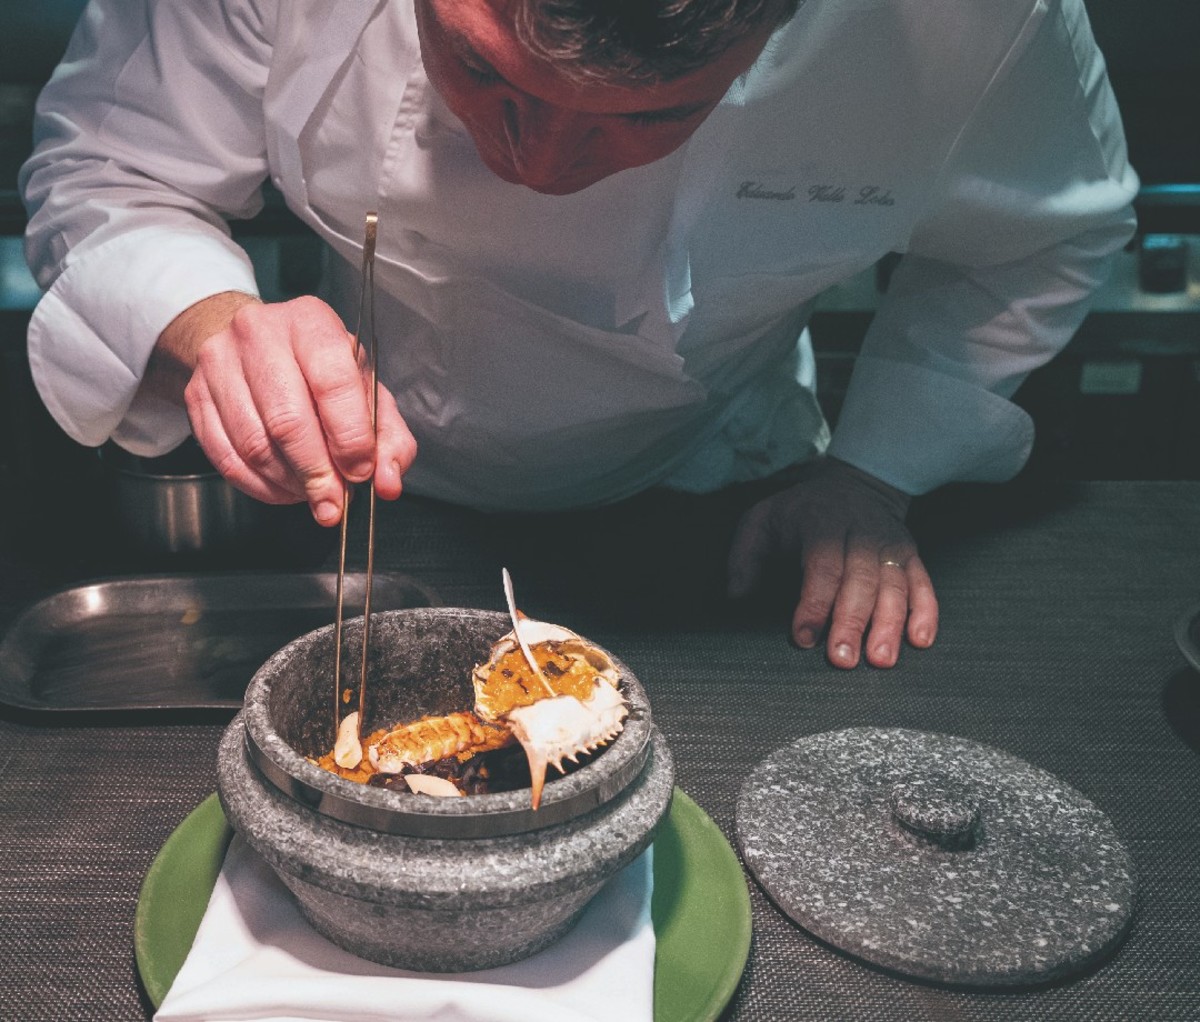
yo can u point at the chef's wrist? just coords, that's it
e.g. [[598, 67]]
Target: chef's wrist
[[178, 347], [898, 500]]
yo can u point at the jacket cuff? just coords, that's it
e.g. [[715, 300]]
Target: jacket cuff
[[916, 429], [92, 333]]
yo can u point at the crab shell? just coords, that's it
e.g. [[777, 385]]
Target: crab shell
[[552, 726]]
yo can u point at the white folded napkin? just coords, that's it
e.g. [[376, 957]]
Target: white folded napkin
[[255, 957]]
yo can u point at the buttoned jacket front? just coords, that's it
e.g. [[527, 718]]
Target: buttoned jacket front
[[558, 351]]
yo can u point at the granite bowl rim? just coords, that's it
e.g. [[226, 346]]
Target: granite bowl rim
[[631, 742]]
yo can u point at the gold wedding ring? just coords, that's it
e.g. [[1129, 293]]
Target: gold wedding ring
[[894, 564]]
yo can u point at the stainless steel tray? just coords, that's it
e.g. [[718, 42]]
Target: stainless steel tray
[[171, 642]]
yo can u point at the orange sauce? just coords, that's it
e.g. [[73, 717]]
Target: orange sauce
[[511, 683]]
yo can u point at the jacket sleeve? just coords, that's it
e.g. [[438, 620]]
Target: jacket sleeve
[[148, 135], [1031, 206]]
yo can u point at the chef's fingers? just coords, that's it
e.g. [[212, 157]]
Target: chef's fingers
[[396, 448], [923, 604], [854, 603], [293, 356], [824, 566], [338, 383], [890, 613], [211, 435], [752, 546], [251, 450]]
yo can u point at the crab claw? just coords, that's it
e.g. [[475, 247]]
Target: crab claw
[[552, 730]]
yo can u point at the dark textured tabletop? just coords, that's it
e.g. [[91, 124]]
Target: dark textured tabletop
[[1056, 645]]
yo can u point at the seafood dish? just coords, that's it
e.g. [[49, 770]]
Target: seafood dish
[[544, 697]]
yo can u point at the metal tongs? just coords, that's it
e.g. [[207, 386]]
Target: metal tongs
[[366, 315]]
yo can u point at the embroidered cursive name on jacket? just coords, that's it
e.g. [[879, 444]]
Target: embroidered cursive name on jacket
[[755, 190]]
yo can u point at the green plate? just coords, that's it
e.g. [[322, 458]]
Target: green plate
[[700, 908]]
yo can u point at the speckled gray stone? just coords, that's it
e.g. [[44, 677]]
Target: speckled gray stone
[[936, 857], [420, 663], [434, 904], [440, 905]]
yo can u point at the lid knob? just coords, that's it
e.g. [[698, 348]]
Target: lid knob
[[937, 810]]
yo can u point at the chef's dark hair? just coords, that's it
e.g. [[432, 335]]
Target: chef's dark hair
[[639, 41]]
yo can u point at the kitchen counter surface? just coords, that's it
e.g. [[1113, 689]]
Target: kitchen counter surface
[[1058, 607]]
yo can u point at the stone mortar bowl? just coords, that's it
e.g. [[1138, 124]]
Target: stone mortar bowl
[[413, 881]]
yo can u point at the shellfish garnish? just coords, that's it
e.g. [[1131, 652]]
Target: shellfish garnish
[[433, 738], [581, 711], [542, 686], [347, 750], [427, 784]]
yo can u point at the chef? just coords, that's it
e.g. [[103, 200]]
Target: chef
[[603, 226]]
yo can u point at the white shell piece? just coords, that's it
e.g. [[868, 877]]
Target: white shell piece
[[563, 727], [347, 750], [534, 633], [541, 631], [427, 784]]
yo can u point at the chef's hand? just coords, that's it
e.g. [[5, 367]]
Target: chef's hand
[[845, 530], [278, 402]]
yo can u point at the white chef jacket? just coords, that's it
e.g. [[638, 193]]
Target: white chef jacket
[[556, 351]]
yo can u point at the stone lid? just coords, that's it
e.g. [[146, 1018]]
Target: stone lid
[[936, 857]]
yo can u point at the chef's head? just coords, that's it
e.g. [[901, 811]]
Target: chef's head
[[558, 94]]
